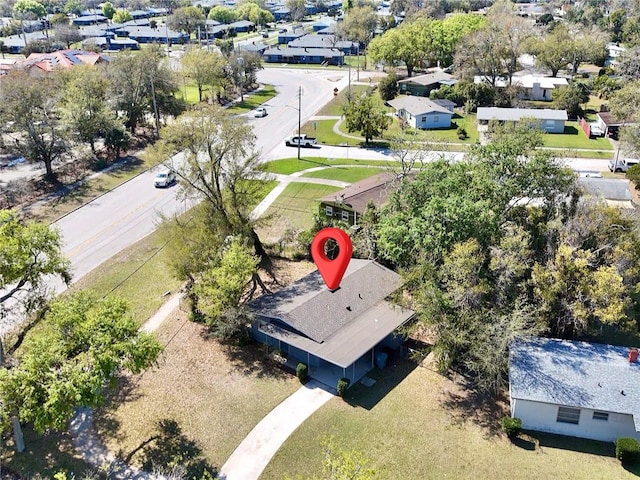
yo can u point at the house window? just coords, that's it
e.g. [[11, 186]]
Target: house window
[[568, 415], [345, 215], [328, 211], [604, 416], [550, 124], [436, 119], [424, 119]]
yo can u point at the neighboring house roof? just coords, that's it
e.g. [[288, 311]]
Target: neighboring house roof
[[615, 192], [527, 81], [443, 102], [575, 374], [62, 59], [253, 47], [18, 40], [609, 120], [148, 32], [417, 105], [301, 52], [99, 18], [359, 194], [93, 31], [515, 114], [320, 41], [340, 325], [241, 24], [430, 79]]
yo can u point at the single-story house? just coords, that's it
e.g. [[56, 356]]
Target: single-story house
[[422, 85], [15, 43], [609, 124], [254, 47], [281, 13], [304, 55], [614, 192], [217, 31], [290, 35], [151, 35], [242, 26], [534, 87], [351, 202], [90, 20], [138, 14], [47, 62], [580, 389], [551, 121], [420, 112], [324, 41], [335, 333], [106, 43], [93, 31]]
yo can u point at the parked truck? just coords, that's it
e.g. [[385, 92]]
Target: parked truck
[[302, 139]]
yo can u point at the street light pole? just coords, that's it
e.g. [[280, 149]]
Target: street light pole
[[299, 114]]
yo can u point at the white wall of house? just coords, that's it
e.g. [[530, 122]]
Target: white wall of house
[[543, 417], [433, 120]]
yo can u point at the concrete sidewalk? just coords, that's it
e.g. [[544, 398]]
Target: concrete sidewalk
[[255, 452]]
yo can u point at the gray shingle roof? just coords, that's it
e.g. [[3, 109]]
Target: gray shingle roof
[[576, 374], [430, 79], [309, 307], [301, 52], [320, 41], [515, 114], [417, 105]]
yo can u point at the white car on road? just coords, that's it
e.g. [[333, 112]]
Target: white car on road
[[260, 112], [164, 178]]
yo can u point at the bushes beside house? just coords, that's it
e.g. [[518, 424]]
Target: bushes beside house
[[302, 372], [511, 426], [627, 450], [343, 385]]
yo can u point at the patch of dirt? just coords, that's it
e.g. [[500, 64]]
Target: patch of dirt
[[285, 271]]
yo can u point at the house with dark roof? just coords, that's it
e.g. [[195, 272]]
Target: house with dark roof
[[153, 35], [324, 41], [351, 202], [107, 43], [289, 36], [550, 121], [422, 85], [243, 26], [90, 20], [15, 43], [422, 113], [316, 56], [580, 389], [610, 125], [335, 333], [94, 31]]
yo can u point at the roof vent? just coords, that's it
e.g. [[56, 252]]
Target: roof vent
[[633, 355]]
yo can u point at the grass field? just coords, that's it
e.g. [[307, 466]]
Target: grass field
[[334, 107], [416, 424], [346, 174], [214, 394], [574, 137], [287, 166], [324, 132], [253, 100], [294, 208]]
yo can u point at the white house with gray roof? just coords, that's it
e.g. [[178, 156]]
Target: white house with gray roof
[[580, 389], [335, 333], [550, 121], [420, 112], [532, 87]]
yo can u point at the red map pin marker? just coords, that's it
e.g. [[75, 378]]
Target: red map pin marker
[[332, 271]]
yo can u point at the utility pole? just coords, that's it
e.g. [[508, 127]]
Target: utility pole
[[299, 114], [358, 65]]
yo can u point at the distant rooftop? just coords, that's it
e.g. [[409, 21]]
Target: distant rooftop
[[516, 114]]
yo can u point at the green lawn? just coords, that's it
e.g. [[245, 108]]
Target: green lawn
[[449, 135], [334, 107], [346, 174], [416, 424], [294, 208], [324, 132], [574, 137], [287, 166], [189, 93], [253, 100]]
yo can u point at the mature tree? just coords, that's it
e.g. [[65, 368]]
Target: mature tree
[[218, 159], [623, 106], [220, 289], [398, 45], [223, 14], [359, 25], [131, 77], [364, 116], [186, 19], [203, 68], [297, 9], [447, 34], [29, 9], [85, 343], [67, 34], [29, 251], [388, 87], [31, 104], [60, 19], [628, 63], [252, 12], [242, 69], [570, 98], [74, 7], [108, 10], [554, 51], [116, 140], [84, 105], [121, 16]]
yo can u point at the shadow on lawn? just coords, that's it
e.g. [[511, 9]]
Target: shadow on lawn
[[170, 447], [252, 359], [582, 445], [126, 390], [386, 380], [466, 404]]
